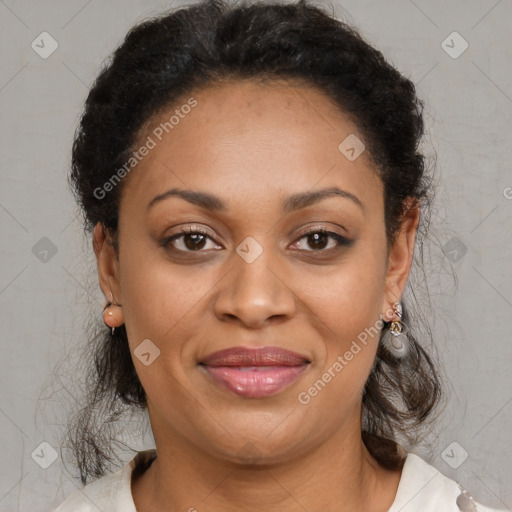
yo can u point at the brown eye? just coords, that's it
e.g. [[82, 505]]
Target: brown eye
[[188, 240], [318, 239]]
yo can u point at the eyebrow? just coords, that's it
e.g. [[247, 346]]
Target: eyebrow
[[290, 204]]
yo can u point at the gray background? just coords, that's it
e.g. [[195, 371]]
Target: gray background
[[44, 296]]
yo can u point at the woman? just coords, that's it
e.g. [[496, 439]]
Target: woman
[[251, 179]]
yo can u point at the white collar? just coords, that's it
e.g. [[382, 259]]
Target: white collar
[[422, 488]]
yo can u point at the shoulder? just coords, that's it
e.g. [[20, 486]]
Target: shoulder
[[111, 492], [423, 488]]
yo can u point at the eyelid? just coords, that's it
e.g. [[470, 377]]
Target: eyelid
[[194, 229], [321, 229]]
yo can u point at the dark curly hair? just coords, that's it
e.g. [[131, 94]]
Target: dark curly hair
[[165, 58]]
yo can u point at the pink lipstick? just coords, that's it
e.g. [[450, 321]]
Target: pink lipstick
[[255, 372]]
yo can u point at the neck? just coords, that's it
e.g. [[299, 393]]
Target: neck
[[339, 475]]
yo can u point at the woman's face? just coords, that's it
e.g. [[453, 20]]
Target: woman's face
[[251, 278]]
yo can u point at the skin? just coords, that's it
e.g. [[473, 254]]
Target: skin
[[253, 145]]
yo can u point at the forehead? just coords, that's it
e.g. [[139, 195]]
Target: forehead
[[252, 139]]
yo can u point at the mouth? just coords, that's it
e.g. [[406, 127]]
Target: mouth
[[255, 372]]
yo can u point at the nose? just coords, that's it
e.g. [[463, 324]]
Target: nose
[[255, 294]]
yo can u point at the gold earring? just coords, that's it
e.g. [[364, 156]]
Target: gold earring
[[394, 339], [396, 326]]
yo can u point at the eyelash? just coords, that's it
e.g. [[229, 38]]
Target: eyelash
[[341, 241]]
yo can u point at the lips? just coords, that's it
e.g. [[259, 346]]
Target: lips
[[255, 372], [264, 356]]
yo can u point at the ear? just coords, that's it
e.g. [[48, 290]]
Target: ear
[[108, 263], [400, 256]]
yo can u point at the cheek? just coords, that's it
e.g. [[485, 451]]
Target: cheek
[[348, 298], [161, 300], [350, 330], [161, 304], [346, 308]]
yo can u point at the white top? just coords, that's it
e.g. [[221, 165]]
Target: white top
[[422, 488]]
